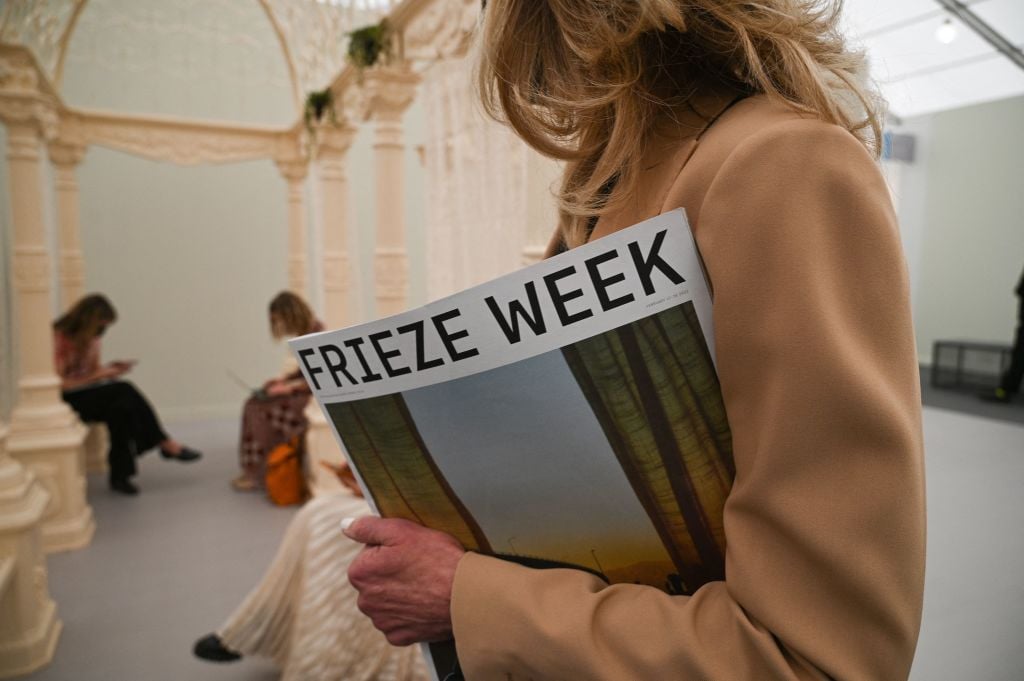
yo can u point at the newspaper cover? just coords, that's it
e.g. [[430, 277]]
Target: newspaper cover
[[564, 415]]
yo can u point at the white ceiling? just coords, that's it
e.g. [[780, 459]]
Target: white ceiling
[[920, 75]]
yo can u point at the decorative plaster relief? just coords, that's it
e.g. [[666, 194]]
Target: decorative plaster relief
[[441, 31], [336, 270], [182, 143], [27, 116], [391, 273], [389, 90], [31, 269]]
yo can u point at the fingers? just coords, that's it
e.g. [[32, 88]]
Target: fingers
[[377, 531]]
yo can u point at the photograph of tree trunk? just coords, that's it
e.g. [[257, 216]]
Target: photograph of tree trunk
[[612, 455], [653, 387]]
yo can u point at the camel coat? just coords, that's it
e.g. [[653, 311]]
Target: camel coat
[[825, 524]]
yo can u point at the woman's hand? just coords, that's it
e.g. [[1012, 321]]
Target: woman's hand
[[278, 389], [122, 366], [404, 577]]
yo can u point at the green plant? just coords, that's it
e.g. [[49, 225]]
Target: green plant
[[318, 103], [367, 45]]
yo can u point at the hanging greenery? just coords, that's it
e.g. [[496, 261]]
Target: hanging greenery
[[318, 104], [369, 45]]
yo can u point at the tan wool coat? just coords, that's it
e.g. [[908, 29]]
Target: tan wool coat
[[825, 523]]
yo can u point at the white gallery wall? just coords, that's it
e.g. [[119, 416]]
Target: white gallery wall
[[961, 207], [190, 256]]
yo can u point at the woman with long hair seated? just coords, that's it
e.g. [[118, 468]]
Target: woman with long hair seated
[[303, 613], [98, 394], [274, 414]]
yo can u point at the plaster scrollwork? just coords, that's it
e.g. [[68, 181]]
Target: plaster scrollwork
[[31, 269], [66, 155], [72, 268], [441, 31], [41, 25], [336, 268], [18, 76], [315, 34], [28, 116], [334, 140], [292, 169], [388, 91], [181, 142], [391, 269]]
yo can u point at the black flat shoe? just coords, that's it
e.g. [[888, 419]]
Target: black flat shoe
[[211, 648], [124, 487], [186, 455]]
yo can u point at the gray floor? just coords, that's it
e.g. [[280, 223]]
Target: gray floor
[[163, 568], [169, 565], [966, 400]]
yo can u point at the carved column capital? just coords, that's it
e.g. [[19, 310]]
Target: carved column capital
[[443, 30], [29, 118], [333, 141], [65, 154], [294, 170], [388, 91]]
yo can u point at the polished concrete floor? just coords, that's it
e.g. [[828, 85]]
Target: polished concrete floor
[[169, 565]]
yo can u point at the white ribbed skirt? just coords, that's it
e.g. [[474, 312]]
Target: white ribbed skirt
[[303, 613]]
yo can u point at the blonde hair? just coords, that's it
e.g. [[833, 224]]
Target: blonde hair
[[290, 316], [585, 81]]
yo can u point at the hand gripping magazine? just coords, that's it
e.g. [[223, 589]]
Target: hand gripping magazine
[[565, 415]]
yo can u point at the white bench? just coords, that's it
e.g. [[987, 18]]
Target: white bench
[[94, 450]]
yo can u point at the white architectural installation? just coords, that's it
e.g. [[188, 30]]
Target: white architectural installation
[[488, 212], [46, 436], [389, 90], [29, 628]]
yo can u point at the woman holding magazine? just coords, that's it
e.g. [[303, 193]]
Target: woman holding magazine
[[756, 120]]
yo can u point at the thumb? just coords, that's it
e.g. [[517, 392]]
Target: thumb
[[371, 530]]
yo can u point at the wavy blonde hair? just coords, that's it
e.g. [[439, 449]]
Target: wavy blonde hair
[[585, 81]]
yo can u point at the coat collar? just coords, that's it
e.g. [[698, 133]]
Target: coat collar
[[670, 144]]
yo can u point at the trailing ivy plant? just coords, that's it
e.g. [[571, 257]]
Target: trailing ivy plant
[[318, 104], [370, 45]]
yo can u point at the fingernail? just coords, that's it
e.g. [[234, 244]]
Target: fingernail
[[346, 523]]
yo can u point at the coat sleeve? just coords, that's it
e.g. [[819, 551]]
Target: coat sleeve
[[825, 521]]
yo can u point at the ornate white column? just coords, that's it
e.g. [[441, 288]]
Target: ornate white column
[[294, 171], [333, 142], [65, 157], [45, 435], [389, 90], [29, 627], [333, 145]]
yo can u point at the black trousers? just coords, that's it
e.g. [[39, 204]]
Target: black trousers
[[1012, 378], [132, 423]]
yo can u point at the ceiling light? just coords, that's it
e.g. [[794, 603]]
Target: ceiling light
[[946, 32]]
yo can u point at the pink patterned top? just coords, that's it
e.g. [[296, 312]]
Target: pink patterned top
[[72, 362]]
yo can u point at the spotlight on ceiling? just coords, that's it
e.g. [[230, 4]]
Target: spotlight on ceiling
[[946, 32]]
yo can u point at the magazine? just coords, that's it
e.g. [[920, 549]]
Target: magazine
[[565, 415]]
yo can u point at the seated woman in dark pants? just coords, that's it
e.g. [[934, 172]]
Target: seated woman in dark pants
[[96, 393]]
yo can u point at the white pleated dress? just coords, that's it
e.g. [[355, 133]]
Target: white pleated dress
[[303, 613]]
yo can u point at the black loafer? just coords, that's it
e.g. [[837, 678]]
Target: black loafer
[[186, 455], [211, 648], [124, 487]]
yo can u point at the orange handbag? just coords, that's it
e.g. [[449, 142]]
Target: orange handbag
[[284, 479]]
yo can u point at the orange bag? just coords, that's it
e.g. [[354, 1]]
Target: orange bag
[[285, 481]]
